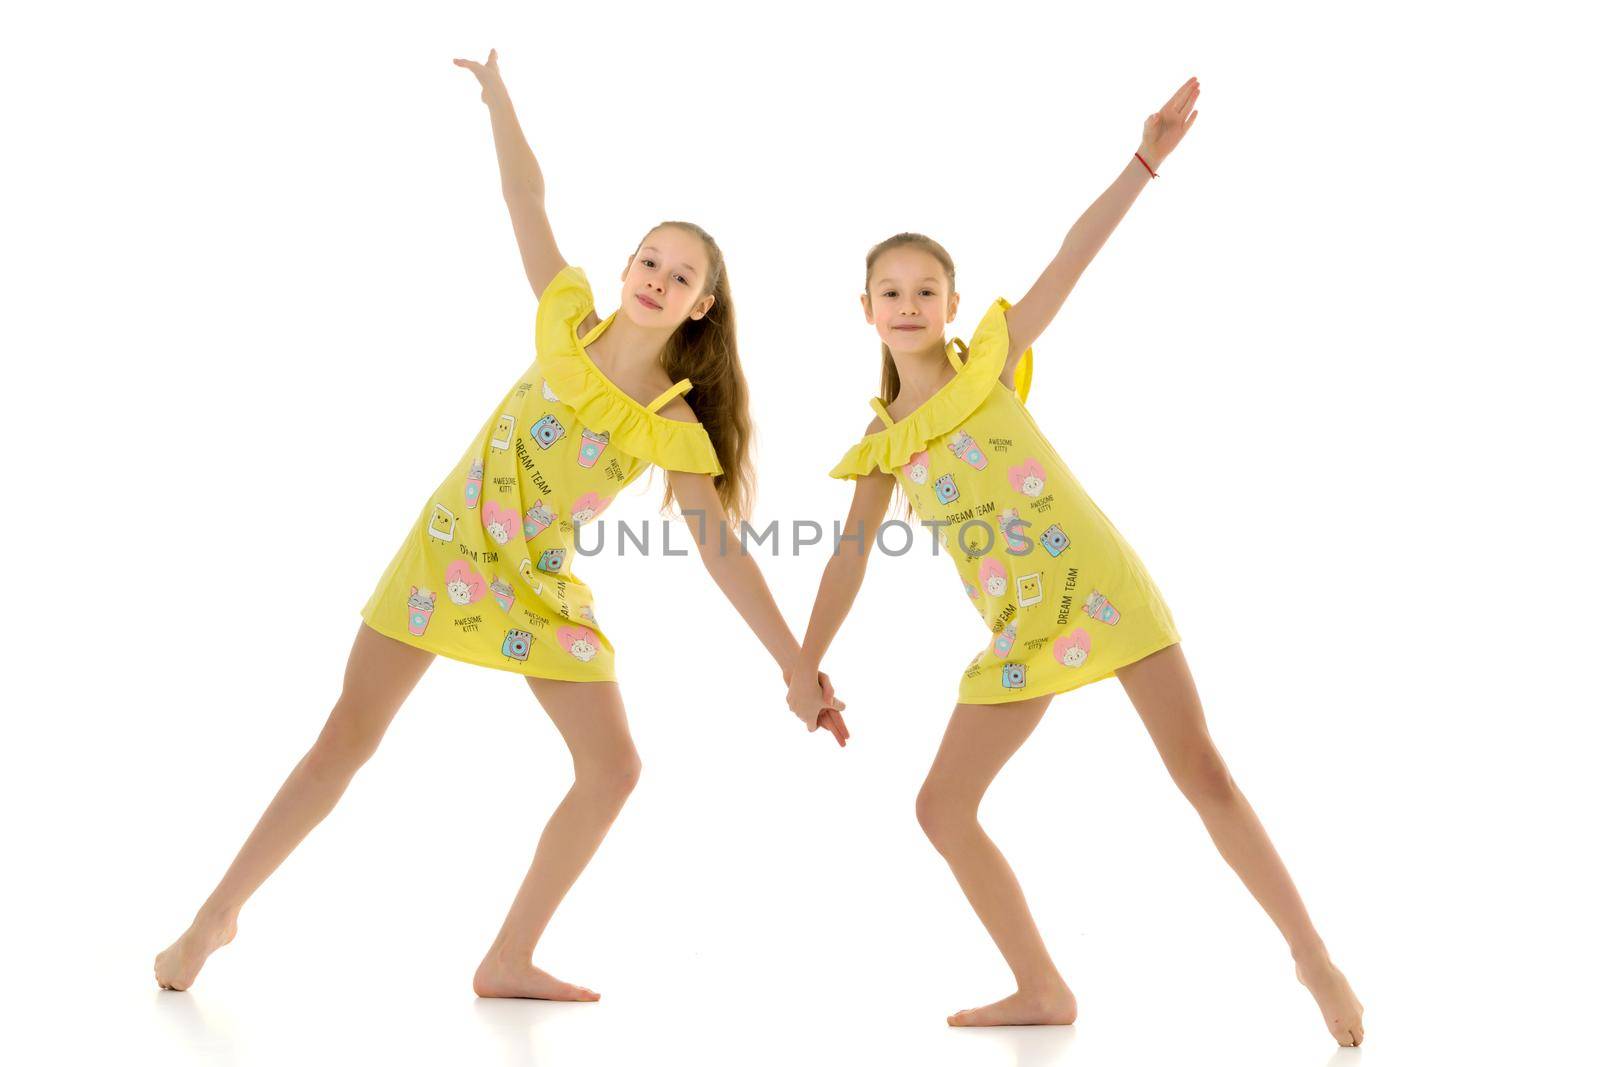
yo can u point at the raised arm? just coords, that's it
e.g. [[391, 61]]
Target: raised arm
[[739, 577], [521, 181], [1027, 318], [841, 581]]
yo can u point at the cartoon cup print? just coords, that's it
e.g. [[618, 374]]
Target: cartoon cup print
[[588, 507], [547, 431], [537, 520], [1012, 525], [964, 446], [474, 484], [944, 489], [504, 595], [419, 609], [1027, 478], [579, 642], [593, 444], [1005, 639], [916, 468], [462, 584], [1098, 607], [504, 430], [972, 590], [499, 522], [1072, 649], [516, 645], [992, 574]]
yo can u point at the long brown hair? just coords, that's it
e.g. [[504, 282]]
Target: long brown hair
[[889, 387], [706, 351]]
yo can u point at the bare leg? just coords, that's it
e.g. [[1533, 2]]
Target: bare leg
[[1163, 692], [977, 743], [605, 768], [379, 675]]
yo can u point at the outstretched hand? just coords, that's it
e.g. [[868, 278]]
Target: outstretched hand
[[1164, 129], [487, 73]]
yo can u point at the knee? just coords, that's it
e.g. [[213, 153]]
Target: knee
[[945, 816], [339, 752], [1205, 780], [612, 780]]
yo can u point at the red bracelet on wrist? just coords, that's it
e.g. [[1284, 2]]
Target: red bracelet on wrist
[[1140, 158]]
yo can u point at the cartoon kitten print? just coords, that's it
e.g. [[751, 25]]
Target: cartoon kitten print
[[578, 641], [499, 522], [916, 468], [588, 507], [1027, 478], [992, 574], [462, 584], [1072, 649]]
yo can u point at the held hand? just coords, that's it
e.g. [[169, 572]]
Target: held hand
[[813, 701], [488, 75], [1164, 129]]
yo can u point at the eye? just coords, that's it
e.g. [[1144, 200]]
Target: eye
[[682, 279], [889, 292], [927, 292], [647, 261]]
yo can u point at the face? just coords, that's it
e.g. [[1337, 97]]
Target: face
[[908, 299], [662, 284]]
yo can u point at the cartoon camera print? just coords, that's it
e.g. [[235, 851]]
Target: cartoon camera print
[[516, 645], [1054, 539], [550, 560], [1013, 675], [944, 489], [546, 432]]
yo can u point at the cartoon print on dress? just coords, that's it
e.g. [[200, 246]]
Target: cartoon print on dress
[[419, 609], [1098, 607], [516, 645], [1072, 649], [504, 595], [1030, 589], [965, 447], [916, 468], [474, 484], [1054, 539], [525, 568], [442, 523], [1011, 527], [1005, 639], [944, 489], [537, 520], [586, 613], [547, 431], [549, 394], [579, 642], [462, 584], [550, 560], [588, 507], [992, 573], [1013, 675], [504, 431], [1026, 478], [972, 590], [593, 444], [498, 522]]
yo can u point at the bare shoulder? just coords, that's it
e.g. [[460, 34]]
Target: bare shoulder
[[678, 410], [874, 426]]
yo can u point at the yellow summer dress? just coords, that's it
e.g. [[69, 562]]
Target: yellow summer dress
[[1065, 598], [485, 575]]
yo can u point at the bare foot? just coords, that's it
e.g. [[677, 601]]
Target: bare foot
[[498, 977], [177, 967], [1340, 1008], [1053, 1007]]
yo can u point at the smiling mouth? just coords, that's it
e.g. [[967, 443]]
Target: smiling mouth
[[647, 302]]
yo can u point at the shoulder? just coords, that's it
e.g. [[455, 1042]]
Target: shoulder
[[678, 410], [875, 426]]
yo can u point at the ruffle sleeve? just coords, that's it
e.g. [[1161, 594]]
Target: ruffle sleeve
[[893, 447], [670, 444]]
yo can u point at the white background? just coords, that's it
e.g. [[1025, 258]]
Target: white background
[[260, 290]]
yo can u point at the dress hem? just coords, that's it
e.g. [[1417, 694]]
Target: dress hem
[[1165, 640], [408, 638]]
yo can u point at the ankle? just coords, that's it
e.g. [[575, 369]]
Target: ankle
[[215, 917]]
